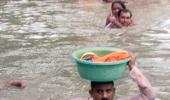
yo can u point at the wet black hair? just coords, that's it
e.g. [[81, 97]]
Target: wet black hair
[[125, 11], [119, 2], [93, 83]]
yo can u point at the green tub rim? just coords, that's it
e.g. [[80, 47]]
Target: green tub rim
[[99, 48]]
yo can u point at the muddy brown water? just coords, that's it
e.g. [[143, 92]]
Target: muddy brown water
[[38, 36]]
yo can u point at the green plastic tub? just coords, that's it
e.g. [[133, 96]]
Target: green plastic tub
[[100, 72]]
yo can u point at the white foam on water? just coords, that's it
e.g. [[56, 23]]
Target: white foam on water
[[35, 37], [38, 27], [165, 24], [3, 26], [7, 36]]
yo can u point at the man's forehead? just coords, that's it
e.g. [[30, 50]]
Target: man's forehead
[[104, 86], [125, 13]]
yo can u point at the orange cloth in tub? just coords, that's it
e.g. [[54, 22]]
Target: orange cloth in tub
[[111, 57]]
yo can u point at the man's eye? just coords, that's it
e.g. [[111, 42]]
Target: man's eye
[[109, 90], [123, 17], [99, 91]]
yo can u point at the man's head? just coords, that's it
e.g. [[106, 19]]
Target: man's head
[[117, 6], [102, 90], [125, 16]]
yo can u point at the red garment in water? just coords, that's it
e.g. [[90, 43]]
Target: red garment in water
[[111, 57]]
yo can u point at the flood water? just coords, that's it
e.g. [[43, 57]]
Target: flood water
[[38, 36]]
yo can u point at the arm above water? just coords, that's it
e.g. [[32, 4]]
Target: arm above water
[[146, 91], [112, 21]]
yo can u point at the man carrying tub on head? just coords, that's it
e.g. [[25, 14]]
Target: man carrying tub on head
[[106, 90]]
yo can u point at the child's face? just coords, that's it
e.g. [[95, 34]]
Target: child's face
[[116, 8]]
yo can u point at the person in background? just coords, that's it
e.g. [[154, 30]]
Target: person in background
[[125, 17], [112, 19], [107, 90]]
